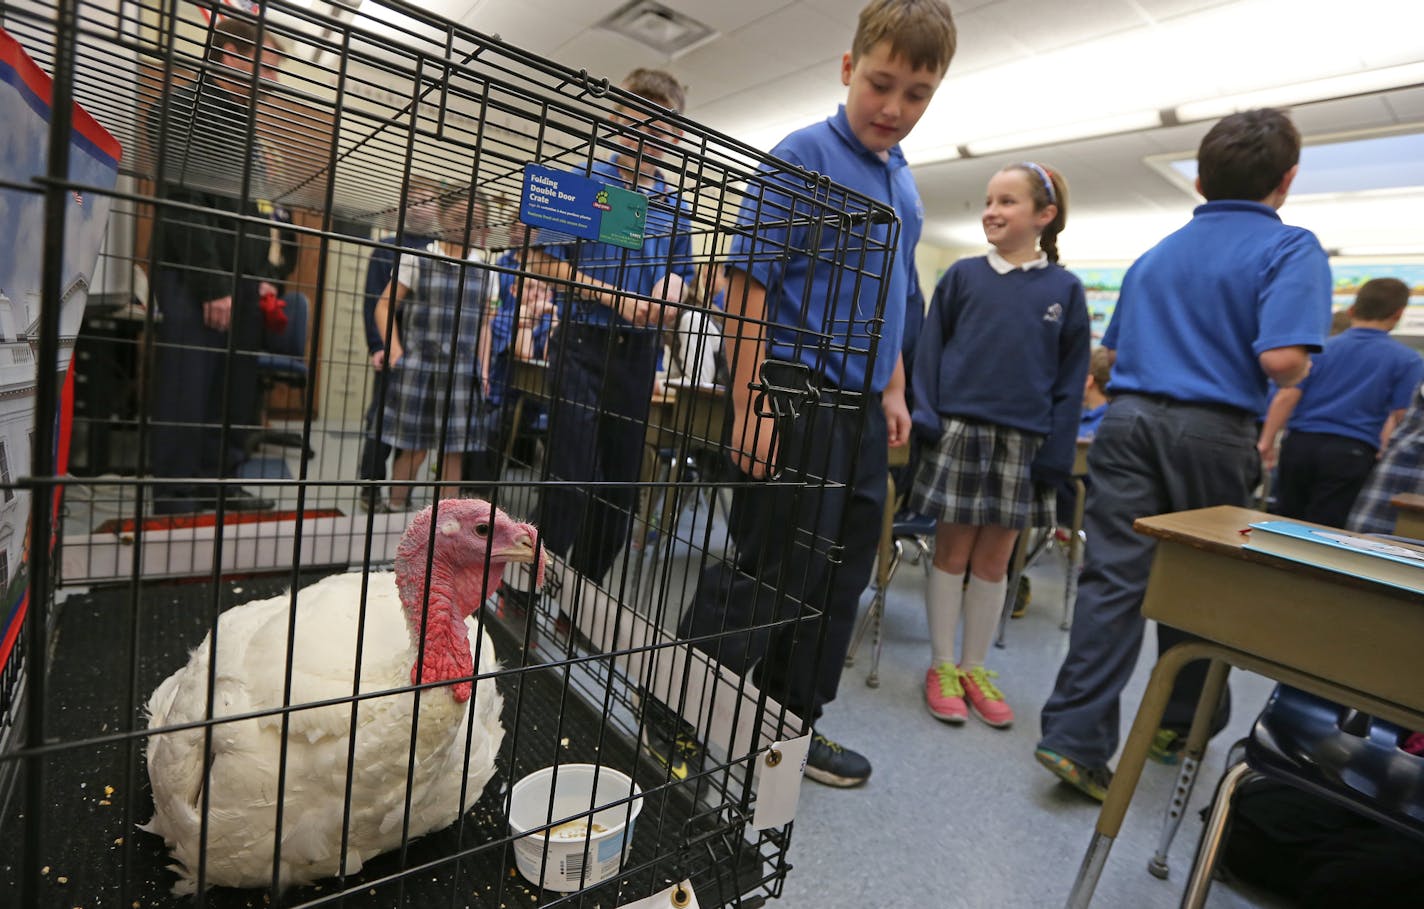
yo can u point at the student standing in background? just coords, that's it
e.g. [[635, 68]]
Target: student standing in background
[[1342, 415], [1205, 318], [605, 353], [1001, 364]]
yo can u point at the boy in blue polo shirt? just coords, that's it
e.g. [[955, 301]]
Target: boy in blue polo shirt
[[604, 354], [1205, 318], [1340, 417], [780, 533]]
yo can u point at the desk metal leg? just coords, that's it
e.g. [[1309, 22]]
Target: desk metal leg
[[1016, 569], [1191, 764], [885, 563], [1129, 767], [1194, 897], [672, 502], [648, 501]]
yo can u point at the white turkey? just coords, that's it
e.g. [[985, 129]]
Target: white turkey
[[472, 543]]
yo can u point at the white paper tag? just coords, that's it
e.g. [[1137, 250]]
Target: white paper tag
[[779, 788], [678, 896]]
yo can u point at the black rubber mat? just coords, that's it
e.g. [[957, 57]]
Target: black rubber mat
[[92, 855]]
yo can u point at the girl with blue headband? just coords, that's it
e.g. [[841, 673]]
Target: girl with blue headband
[[998, 386]]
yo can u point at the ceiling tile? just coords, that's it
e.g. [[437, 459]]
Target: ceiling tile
[[1162, 10], [846, 12], [983, 41], [726, 15], [1045, 26], [522, 24], [606, 54], [1340, 116]]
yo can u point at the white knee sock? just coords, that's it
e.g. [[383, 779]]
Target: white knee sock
[[943, 597], [983, 602]]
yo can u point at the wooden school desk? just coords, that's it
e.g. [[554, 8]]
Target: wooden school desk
[[1410, 521], [1346, 638]]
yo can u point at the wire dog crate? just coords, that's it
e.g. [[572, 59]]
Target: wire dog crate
[[356, 133]]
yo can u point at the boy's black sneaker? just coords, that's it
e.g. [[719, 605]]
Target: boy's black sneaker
[[670, 740], [832, 764]]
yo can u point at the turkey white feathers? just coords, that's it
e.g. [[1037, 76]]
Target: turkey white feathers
[[240, 769]]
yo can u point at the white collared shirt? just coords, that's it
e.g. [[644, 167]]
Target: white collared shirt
[[1004, 266]]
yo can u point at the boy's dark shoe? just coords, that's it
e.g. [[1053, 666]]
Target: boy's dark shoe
[[670, 740], [832, 764]]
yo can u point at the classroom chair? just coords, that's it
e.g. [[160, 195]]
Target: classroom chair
[[1331, 751], [899, 532], [283, 362]]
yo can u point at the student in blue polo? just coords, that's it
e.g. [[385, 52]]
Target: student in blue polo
[[1232, 299], [1340, 417], [604, 354], [818, 315]]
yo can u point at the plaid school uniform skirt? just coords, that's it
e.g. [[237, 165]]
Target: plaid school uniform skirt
[[431, 351], [978, 474]]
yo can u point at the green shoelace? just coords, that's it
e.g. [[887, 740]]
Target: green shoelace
[[948, 675], [981, 677]]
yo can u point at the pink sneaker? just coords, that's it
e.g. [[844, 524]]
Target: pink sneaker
[[986, 699], [944, 694]]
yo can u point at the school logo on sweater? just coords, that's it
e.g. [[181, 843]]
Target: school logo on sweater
[[1053, 313]]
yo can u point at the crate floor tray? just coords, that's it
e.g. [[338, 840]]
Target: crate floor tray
[[93, 855]]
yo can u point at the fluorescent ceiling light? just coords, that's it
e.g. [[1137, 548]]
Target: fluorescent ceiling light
[[1362, 83], [937, 155], [1131, 121]]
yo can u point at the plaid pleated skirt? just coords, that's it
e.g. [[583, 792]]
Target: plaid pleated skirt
[[437, 373], [978, 474]]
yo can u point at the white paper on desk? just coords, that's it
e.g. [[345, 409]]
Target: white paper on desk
[[678, 896], [779, 787]]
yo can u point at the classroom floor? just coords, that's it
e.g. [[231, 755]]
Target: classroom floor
[[963, 816], [952, 817]]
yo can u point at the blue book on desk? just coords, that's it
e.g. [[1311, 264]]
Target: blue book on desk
[[1396, 564]]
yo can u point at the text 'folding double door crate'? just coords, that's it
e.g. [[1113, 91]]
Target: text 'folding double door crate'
[[274, 675]]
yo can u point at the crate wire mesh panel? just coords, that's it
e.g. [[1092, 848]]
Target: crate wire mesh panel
[[370, 130]]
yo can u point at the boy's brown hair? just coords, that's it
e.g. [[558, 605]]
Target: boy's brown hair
[[1340, 321], [657, 86], [1245, 156], [1380, 299], [920, 31], [1100, 364]]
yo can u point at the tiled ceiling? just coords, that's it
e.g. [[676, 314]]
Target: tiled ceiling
[[774, 65], [1021, 65]]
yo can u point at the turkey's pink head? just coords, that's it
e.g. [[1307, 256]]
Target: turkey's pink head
[[473, 541], [466, 543]]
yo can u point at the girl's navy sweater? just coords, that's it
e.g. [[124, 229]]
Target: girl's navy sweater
[[1010, 349]]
